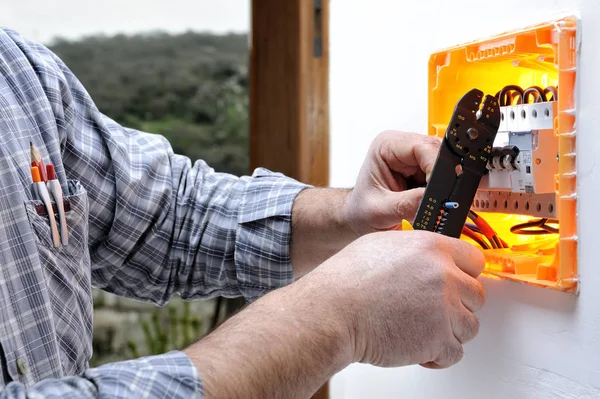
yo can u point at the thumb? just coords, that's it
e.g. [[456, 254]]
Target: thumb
[[404, 204]]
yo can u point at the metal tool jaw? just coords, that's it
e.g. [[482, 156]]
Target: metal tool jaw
[[461, 163]]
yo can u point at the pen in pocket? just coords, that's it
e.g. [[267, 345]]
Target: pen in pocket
[[36, 160], [44, 195], [56, 191]]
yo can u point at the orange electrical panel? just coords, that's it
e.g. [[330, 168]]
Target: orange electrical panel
[[526, 205]]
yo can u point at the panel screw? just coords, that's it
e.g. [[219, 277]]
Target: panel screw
[[472, 134]]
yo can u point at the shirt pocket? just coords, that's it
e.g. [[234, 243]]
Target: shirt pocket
[[68, 274]]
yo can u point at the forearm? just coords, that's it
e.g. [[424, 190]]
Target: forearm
[[319, 228], [286, 344]]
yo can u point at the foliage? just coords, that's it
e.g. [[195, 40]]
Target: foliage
[[180, 331], [192, 88]]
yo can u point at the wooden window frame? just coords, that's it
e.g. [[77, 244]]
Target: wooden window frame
[[289, 92]]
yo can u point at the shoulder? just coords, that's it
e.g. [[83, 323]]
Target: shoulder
[[28, 62]]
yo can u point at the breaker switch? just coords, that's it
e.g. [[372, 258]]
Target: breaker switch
[[504, 158], [510, 154]]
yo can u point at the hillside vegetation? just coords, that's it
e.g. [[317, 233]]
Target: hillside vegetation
[[192, 88]]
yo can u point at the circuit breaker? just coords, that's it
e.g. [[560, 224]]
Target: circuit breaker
[[524, 212], [524, 161]]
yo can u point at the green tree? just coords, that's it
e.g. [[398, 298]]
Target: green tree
[[191, 88]]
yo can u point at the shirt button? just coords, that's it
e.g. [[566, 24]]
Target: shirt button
[[22, 366]]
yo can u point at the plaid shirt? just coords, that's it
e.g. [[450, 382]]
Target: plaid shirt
[[144, 223]]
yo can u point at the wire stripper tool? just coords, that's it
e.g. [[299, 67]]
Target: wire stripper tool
[[461, 163]]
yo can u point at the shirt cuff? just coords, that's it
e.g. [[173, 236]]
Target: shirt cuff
[[262, 253], [170, 375]]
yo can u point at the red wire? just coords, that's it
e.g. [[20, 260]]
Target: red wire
[[471, 234], [487, 230]]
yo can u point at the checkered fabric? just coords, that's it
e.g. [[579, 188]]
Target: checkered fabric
[[144, 223]]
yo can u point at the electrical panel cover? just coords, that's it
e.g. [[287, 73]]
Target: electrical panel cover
[[524, 215]]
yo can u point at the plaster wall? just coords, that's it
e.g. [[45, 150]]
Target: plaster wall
[[533, 343]]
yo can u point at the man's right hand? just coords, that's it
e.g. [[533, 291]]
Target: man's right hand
[[407, 297], [390, 298]]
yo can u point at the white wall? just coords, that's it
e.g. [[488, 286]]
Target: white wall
[[533, 343]]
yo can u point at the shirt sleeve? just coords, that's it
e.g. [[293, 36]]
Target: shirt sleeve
[[161, 224], [170, 375]]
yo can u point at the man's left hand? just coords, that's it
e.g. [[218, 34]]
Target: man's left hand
[[389, 189], [390, 183]]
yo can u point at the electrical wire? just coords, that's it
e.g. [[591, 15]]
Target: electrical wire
[[473, 227], [489, 233], [473, 236], [504, 243], [514, 95], [535, 227], [497, 241], [552, 90], [469, 230], [506, 91], [534, 90]]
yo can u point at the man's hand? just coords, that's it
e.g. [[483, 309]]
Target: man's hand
[[409, 296], [388, 299], [390, 183], [387, 191]]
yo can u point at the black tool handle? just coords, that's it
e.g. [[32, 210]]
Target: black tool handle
[[460, 165]]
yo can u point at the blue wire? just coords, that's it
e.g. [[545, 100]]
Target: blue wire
[[473, 227]]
